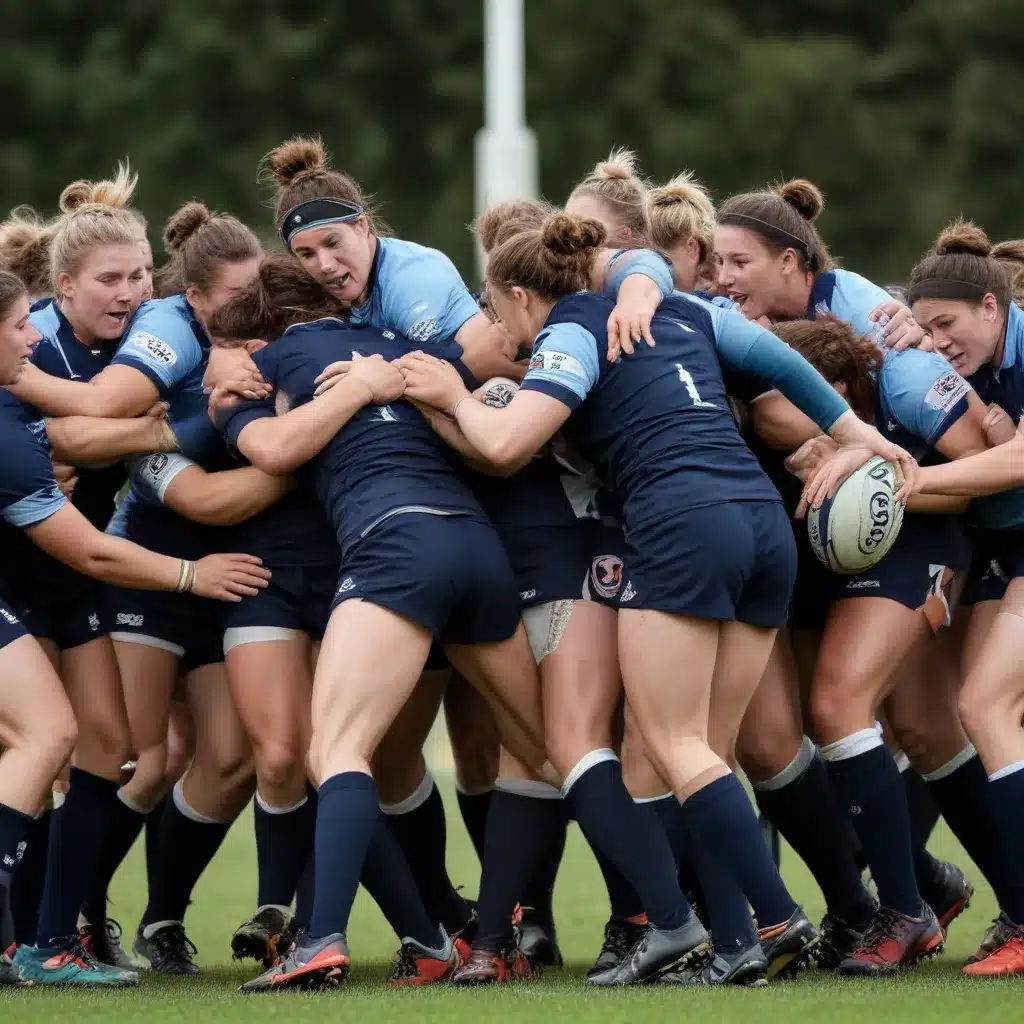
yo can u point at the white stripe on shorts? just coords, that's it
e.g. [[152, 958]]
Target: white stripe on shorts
[[238, 635], [148, 641]]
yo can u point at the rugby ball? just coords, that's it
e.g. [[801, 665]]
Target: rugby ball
[[498, 392], [855, 529]]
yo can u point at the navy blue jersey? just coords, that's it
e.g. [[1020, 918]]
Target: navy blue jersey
[[657, 424], [1004, 386], [386, 460], [60, 354], [292, 532]]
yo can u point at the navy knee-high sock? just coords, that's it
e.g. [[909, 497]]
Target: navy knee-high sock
[[14, 826], [188, 842], [76, 837], [353, 842], [473, 807], [418, 824], [27, 888], [522, 826], [802, 804], [305, 893], [154, 824], [672, 819], [1006, 798], [633, 840], [923, 810], [126, 822], [722, 817], [284, 844], [539, 891], [960, 788], [868, 783]]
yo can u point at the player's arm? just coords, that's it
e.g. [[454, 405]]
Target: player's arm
[[83, 440], [116, 391]]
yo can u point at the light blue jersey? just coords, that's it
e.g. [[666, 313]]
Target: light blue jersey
[[416, 292], [850, 298]]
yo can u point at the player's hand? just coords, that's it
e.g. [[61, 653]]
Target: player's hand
[[824, 481], [66, 477], [229, 577], [810, 455], [850, 431], [902, 331], [629, 324], [229, 362], [432, 381], [998, 426], [383, 378]]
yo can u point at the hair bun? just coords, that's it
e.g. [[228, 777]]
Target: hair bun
[[804, 196], [683, 188], [116, 192], [184, 224], [566, 236], [296, 157], [963, 236], [621, 164]]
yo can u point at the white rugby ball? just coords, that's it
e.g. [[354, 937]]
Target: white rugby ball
[[498, 392], [855, 529]]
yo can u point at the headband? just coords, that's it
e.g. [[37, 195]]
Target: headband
[[315, 213], [946, 288], [778, 235]]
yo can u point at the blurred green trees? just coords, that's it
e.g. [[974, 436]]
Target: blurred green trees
[[906, 112]]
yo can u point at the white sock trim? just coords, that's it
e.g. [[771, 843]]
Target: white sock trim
[[151, 929], [528, 788], [130, 803], [467, 791], [853, 745], [1010, 769], [902, 761], [416, 799], [584, 764], [800, 763], [952, 765], [271, 809], [653, 799], [178, 795]]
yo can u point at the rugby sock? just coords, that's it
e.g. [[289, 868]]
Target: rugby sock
[[418, 824], [305, 892], [960, 788], [539, 891], [924, 814], [14, 826], [625, 904], [633, 840], [722, 817], [1006, 798], [868, 783], [520, 823], [473, 807], [727, 910], [666, 808], [284, 842], [154, 821], [76, 836], [802, 804], [188, 842], [27, 888], [389, 880], [126, 822]]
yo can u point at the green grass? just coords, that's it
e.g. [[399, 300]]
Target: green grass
[[225, 897]]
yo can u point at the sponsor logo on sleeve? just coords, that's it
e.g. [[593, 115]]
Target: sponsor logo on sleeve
[[423, 330], [947, 391], [150, 345], [557, 362]]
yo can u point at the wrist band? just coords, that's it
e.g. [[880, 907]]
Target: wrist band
[[186, 576]]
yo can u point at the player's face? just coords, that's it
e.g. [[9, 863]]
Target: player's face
[[966, 333], [231, 278], [17, 339], [338, 257], [685, 259], [101, 296], [146, 284], [749, 272], [513, 308]]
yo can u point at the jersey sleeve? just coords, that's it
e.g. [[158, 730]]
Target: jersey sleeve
[[747, 348], [160, 344], [154, 473], [922, 392], [28, 491], [647, 262], [426, 299], [854, 298], [564, 364]]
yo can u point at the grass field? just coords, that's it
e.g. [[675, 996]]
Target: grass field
[[225, 897]]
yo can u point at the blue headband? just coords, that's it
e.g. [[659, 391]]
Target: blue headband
[[315, 213]]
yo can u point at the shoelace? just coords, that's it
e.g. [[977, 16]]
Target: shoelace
[[172, 944], [405, 963], [617, 940], [884, 926], [74, 947]]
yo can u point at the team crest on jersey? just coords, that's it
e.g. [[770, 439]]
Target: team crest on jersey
[[423, 330], [606, 575], [947, 391], [557, 362], [153, 346]]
